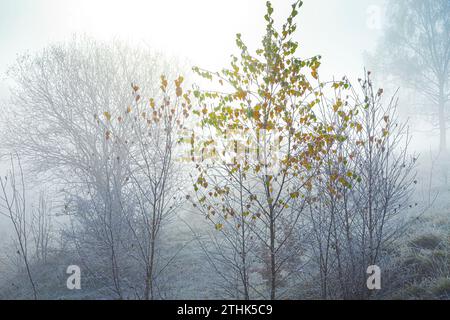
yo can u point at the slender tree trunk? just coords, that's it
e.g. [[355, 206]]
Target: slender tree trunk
[[245, 279], [27, 266], [272, 258], [244, 263], [443, 133], [442, 124], [149, 285], [150, 291]]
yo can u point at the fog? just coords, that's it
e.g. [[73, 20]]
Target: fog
[[200, 30], [63, 62]]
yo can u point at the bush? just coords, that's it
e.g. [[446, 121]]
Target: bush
[[441, 288], [426, 241]]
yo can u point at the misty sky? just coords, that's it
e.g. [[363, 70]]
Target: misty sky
[[200, 30]]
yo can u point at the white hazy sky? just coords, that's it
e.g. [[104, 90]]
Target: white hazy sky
[[202, 31]]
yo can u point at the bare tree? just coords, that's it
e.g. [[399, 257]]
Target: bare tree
[[64, 101], [232, 251], [416, 50], [13, 206], [354, 225], [41, 228], [155, 174]]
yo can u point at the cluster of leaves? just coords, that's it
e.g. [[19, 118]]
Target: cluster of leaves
[[265, 116], [170, 113]]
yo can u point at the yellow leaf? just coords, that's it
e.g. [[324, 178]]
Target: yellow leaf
[[107, 115], [337, 105], [241, 94], [358, 127], [163, 83], [179, 91], [294, 195]]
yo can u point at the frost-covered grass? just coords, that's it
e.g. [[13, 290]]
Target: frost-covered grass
[[420, 266]]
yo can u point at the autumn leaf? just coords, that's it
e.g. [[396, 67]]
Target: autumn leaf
[[179, 91], [164, 83], [358, 127], [107, 115], [135, 87], [241, 94], [294, 195]]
